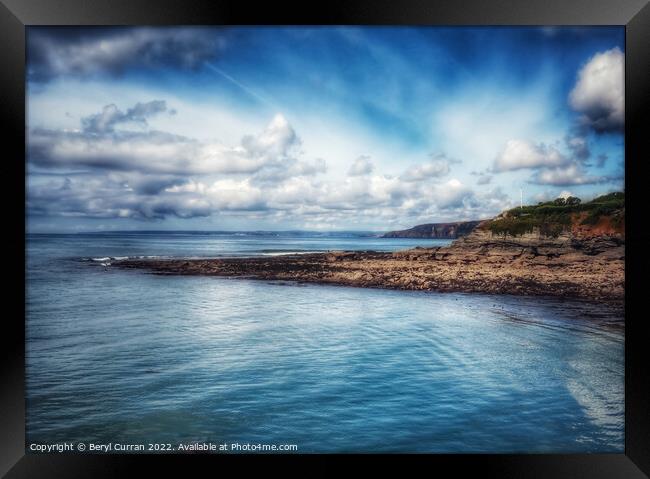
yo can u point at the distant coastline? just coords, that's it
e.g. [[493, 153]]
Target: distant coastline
[[561, 248], [436, 230]]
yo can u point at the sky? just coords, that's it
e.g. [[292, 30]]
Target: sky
[[316, 128]]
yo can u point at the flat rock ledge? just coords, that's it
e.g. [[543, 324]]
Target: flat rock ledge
[[587, 268]]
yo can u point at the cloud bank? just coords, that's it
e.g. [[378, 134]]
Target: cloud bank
[[111, 51], [125, 170]]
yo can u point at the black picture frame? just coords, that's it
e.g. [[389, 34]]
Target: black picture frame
[[15, 15]]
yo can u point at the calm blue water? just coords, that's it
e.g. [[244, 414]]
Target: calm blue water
[[125, 356]]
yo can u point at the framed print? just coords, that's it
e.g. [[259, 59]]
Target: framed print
[[265, 233]]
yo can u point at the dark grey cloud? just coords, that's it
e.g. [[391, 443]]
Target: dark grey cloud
[[578, 146], [147, 151], [103, 197], [84, 52], [484, 180], [484, 177]]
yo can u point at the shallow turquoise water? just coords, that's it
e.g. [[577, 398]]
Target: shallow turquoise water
[[125, 356]]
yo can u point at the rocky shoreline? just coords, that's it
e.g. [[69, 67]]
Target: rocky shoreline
[[567, 266]]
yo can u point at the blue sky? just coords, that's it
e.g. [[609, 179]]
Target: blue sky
[[320, 128]]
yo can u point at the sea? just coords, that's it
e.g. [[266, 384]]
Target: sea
[[124, 357]]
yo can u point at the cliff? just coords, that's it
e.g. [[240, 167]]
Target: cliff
[[435, 230]]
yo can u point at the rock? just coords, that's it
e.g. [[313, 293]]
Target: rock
[[570, 265]]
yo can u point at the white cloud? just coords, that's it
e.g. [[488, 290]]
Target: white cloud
[[518, 154], [309, 168], [572, 174], [477, 123], [452, 194], [551, 167], [275, 141], [234, 195], [599, 91], [437, 167], [361, 166], [97, 146]]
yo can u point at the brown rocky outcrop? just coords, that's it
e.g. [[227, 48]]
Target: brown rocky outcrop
[[571, 265]]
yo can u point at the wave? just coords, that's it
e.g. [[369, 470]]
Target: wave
[[269, 252], [283, 253], [105, 259], [108, 260]]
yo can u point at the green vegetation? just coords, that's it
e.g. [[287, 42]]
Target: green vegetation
[[554, 217]]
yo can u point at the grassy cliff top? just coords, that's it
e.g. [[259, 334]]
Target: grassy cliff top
[[552, 218]]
